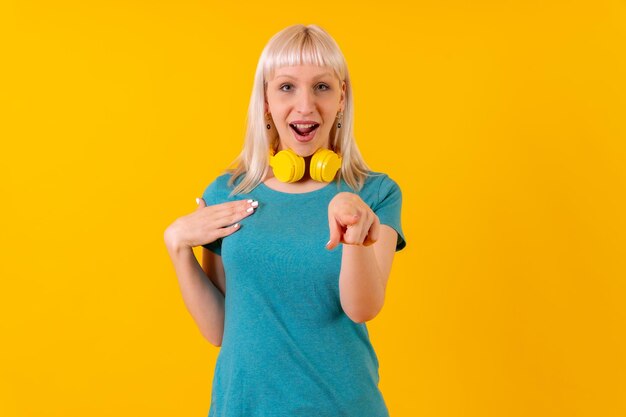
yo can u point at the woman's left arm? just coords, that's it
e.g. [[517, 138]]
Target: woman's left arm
[[368, 252]]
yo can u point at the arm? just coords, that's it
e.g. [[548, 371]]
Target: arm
[[368, 252], [203, 299], [364, 275], [203, 289]]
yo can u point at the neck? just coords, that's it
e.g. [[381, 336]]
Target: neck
[[303, 186], [307, 168]]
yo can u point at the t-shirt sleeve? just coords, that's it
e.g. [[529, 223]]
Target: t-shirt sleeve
[[210, 197], [389, 207]]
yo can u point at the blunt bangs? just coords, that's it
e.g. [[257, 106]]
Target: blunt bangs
[[303, 47]]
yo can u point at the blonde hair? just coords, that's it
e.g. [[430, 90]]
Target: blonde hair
[[296, 45]]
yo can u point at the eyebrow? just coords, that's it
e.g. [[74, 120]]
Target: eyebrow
[[326, 74]]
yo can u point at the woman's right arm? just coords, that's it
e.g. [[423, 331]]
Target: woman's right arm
[[200, 288]]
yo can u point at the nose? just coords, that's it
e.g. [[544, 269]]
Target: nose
[[306, 102]]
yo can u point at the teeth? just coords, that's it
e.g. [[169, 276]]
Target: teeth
[[302, 126]]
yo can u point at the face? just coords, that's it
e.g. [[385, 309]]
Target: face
[[304, 101]]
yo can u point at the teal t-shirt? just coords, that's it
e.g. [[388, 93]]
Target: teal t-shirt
[[288, 348]]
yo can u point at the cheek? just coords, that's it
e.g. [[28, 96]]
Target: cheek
[[275, 104], [278, 111], [331, 117]]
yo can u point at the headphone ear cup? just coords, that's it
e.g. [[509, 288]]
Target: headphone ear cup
[[287, 165], [324, 165]]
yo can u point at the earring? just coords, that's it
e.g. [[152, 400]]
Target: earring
[[340, 117], [268, 118]]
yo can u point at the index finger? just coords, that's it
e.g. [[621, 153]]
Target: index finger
[[230, 212], [234, 205], [347, 217]]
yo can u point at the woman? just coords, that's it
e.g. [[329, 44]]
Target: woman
[[298, 243]]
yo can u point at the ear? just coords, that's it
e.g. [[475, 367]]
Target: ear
[[342, 100]]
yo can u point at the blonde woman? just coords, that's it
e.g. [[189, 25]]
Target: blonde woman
[[298, 243]]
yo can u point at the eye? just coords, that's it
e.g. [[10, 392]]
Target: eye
[[323, 87], [286, 87]]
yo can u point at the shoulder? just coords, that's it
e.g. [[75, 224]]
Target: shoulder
[[379, 179], [385, 199], [378, 186], [218, 190]]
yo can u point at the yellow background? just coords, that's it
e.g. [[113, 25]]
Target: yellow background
[[503, 122]]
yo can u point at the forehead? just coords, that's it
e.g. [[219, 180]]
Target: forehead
[[302, 73]]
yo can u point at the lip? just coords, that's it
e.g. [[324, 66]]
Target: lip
[[303, 139], [304, 122]]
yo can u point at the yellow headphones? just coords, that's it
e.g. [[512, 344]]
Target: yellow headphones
[[288, 166]]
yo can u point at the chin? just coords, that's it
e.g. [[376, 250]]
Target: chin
[[308, 150], [304, 149]]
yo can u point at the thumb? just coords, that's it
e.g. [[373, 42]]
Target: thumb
[[335, 234], [200, 202]]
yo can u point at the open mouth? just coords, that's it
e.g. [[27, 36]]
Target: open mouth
[[304, 131]]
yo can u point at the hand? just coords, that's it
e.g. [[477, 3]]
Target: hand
[[351, 221], [207, 224]]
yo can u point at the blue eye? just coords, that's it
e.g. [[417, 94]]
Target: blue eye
[[285, 87], [323, 87]]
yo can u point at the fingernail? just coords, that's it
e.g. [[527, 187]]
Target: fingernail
[[254, 203], [197, 201], [327, 243], [249, 209], [235, 225], [250, 201]]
